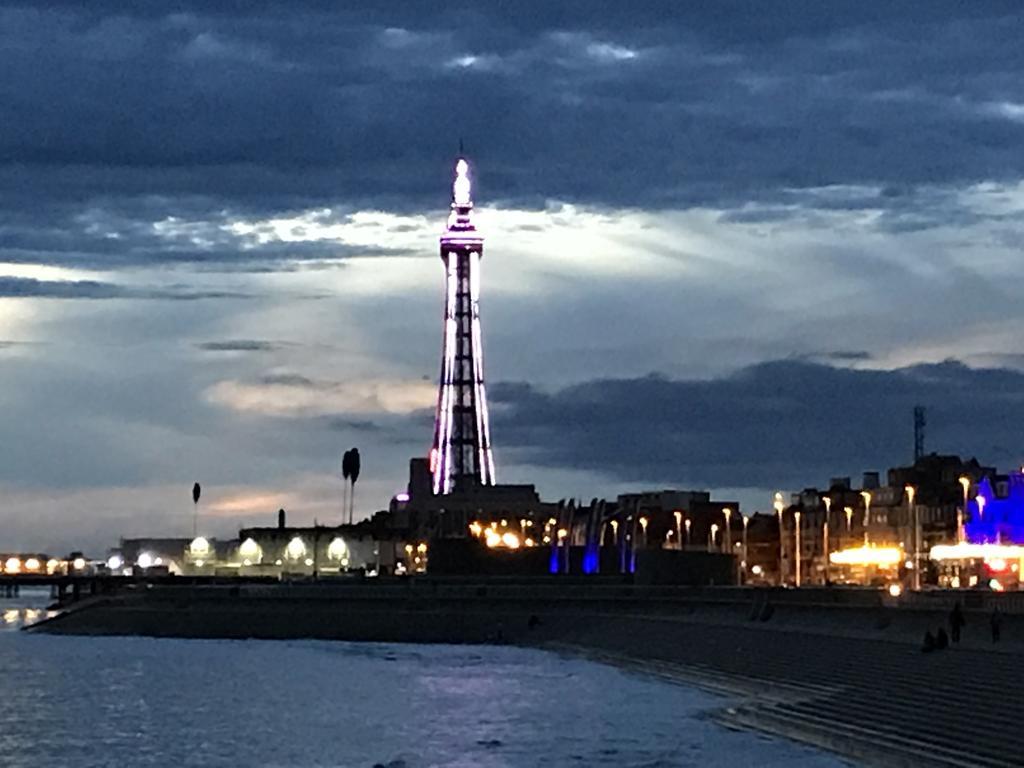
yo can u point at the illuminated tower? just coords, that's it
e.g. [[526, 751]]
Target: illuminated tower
[[461, 455]]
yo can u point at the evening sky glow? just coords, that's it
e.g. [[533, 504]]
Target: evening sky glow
[[726, 251]]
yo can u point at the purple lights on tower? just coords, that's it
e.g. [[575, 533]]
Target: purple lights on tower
[[461, 455]]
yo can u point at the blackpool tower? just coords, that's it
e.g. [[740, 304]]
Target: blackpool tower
[[461, 455]]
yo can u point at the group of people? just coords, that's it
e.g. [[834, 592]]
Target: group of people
[[941, 640]]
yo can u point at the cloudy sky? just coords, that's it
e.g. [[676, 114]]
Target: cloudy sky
[[729, 246]]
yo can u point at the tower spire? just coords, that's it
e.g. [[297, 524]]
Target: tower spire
[[461, 188], [461, 454]]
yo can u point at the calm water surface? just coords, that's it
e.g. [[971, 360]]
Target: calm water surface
[[145, 702]]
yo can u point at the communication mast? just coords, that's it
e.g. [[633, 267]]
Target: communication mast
[[919, 424]]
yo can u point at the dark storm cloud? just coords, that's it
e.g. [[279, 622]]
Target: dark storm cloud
[[839, 356], [237, 345], [127, 232], [292, 380], [780, 423], [24, 287], [225, 109]]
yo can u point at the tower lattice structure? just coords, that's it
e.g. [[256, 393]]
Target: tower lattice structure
[[461, 455]]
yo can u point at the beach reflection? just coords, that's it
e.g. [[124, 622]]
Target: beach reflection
[[26, 609], [16, 618]]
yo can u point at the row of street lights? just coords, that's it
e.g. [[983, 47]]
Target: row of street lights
[[779, 504], [909, 490]]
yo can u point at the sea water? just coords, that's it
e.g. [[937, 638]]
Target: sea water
[[88, 701]]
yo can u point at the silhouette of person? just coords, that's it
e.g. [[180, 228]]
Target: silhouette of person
[[929, 642], [997, 624], [956, 622]]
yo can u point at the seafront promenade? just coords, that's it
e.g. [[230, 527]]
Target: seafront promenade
[[842, 669]]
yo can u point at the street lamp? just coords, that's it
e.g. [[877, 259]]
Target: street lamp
[[714, 531], [796, 516], [727, 542], [824, 532], [746, 559], [643, 524], [866, 495], [965, 483], [620, 545], [679, 528], [780, 505], [688, 522], [910, 491], [849, 518]]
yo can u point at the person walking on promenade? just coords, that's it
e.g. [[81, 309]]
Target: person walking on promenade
[[956, 622], [997, 624]]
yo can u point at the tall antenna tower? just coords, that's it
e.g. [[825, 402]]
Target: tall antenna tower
[[919, 424]]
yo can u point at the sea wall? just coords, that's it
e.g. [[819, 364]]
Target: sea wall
[[526, 612]]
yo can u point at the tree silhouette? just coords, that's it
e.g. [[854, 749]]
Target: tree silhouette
[[196, 490], [346, 473], [353, 474]]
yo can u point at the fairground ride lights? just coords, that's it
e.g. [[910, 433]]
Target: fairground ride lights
[[884, 557]]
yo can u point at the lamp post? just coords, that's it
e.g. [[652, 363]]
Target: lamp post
[[631, 538], [643, 524], [620, 544], [711, 541], [687, 523], [779, 505], [866, 495], [679, 528], [727, 539], [849, 519], [824, 533], [796, 517], [910, 491], [980, 501], [965, 483], [746, 559]]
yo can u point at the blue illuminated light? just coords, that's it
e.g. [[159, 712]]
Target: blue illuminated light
[[1001, 519]]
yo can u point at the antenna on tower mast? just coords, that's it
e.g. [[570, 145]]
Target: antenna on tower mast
[[919, 424]]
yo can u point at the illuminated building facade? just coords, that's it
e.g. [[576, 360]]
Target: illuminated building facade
[[992, 551], [314, 550], [461, 453], [996, 513]]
